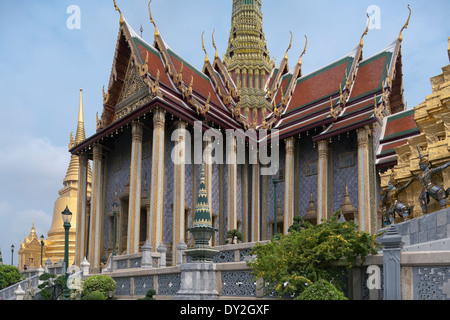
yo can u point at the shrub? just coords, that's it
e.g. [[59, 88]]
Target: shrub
[[291, 263], [94, 295], [149, 295], [101, 283], [8, 275], [321, 290]]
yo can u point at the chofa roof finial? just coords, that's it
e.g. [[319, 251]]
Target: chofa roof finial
[[400, 36], [151, 18]]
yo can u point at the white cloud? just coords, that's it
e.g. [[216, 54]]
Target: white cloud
[[32, 170]]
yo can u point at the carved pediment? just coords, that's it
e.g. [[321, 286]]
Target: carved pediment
[[133, 83]]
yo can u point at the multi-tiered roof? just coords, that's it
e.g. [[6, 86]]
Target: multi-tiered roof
[[342, 96]]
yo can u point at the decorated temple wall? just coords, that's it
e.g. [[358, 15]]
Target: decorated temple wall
[[280, 186], [215, 198], [267, 193], [168, 188], [344, 169], [308, 155], [117, 172], [239, 192]]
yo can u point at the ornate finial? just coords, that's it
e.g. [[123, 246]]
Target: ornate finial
[[203, 48], [361, 43], [71, 142], [141, 30], [289, 48], [332, 111], [388, 78], [143, 69], [400, 36], [216, 55], [304, 51], [151, 19], [121, 21]]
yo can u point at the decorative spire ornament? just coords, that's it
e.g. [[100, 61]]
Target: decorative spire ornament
[[202, 229]]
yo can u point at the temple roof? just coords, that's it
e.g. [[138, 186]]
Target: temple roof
[[342, 96], [395, 132]]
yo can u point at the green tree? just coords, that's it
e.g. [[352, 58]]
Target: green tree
[[52, 286], [309, 253], [234, 233], [100, 283], [9, 275]]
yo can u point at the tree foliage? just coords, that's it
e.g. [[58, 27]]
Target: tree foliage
[[231, 234], [9, 275], [52, 286], [321, 290], [309, 253]]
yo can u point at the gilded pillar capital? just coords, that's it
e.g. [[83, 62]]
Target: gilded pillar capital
[[97, 152], [83, 159], [159, 118], [290, 142], [363, 136], [322, 147], [137, 130]]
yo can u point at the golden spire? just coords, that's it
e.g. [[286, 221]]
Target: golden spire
[[289, 48], [400, 36], [80, 135], [361, 43], [121, 21], [151, 19], [304, 51], [203, 48]]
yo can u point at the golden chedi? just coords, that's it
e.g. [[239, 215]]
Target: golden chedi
[[68, 196]]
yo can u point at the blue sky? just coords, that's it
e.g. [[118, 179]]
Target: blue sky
[[43, 64]]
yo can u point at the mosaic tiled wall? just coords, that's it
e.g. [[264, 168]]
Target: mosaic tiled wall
[[307, 153], [239, 193], [280, 186], [168, 188], [343, 147], [224, 203], [117, 170]]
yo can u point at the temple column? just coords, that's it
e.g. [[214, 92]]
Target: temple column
[[207, 157], [289, 185], [232, 182], [322, 181], [156, 221], [80, 243], [134, 206], [179, 158], [255, 205], [96, 207], [364, 207]]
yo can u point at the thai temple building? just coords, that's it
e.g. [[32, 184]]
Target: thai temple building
[[30, 251], [327, 133], [266, 142]]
